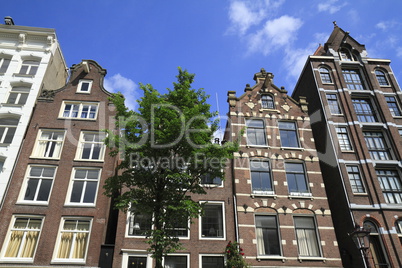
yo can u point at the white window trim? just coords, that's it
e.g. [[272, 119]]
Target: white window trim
[[222, 203], [80, 85], [78, 155], [210, 255], [57, 245], [81, 104], [25, 185], [136, 253], [14, 89], [7, 127], [29, 67], [35, 152], [7, 240], [187, 255], [128, 218], [71, 184]]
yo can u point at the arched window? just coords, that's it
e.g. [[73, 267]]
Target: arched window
[[398, 226], [267, 102], [381, 78], [325, 75], [346, 55], [376, 247]]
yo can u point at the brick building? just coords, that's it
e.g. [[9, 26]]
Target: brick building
[[55, 212], [282, 213], [30, 59], [354, 103]]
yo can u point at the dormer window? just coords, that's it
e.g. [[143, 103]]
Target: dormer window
[[267, 101], [346, 55], [84, 86]]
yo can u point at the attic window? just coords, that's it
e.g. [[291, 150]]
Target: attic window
[[267, 102], [346, 55], [84, 86]]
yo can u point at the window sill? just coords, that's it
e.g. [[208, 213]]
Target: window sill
[[4, 144], [77, 118], [348, 151], [68, 262], [301, 195], [257, 146], [46, 158], [312, 259], [16, 260], [79, 205], [360, 194], [273, 257], [206, 185], [12, 105], [212, 238], [293, 148], [32, 203], [262, 194], [90, 160], [24, 75], [270, 110]]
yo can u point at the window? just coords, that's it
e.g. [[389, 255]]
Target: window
[[355, 179], [139, 223], [364, 110], [296, 178], [346, 55], [175, 262], [179, 228], [84, 86], [79, 110], [84, 186], [4, 65], [377, 146], [381, 78], [393, 106], [137, 262], [49, 144], [7, 129], [333, 104], [39, 181], [91, 146], [212, 221], [398, 226], [260, 177], [267, 102], [343, 138], [212, 262], [29, 67], [353, 79], [18, 95], [73, 239], [306, 236], [325, 75], [377, 253], [390, 185], [288, 133], [267, 235], [2, 160], [256, 132], [22, 239], [208, 179]]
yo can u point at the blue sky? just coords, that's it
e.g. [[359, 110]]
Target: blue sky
[[224, 42]]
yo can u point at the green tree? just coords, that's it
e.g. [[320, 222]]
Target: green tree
[[166, 148]]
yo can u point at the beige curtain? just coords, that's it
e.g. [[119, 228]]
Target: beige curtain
[[80, 245], [260, 242], [14, 244], [65, 246], [28, 249]]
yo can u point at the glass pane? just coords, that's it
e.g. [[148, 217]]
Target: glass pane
[[12, 98], [9, 135], [44, 190], [31, 189], [90, 192], [77, 191], [23, 99]]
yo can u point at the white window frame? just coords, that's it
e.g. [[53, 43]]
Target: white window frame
[[18, 91], [341, 136], [81, 82], [177, 255], [222, 205], [7, 129], [79, 110], [200, 256], [127, 253], [211, 185], [93, 144], [32, 65], [25, 230], [2, 60], [130, 220], [47, 144], [58, 241], [85, 182], [27, 177]]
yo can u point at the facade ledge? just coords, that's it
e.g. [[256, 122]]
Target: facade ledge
[[301, 259], [272, 195], [301, 195], [24, 75], [293, 148], [266, 257]]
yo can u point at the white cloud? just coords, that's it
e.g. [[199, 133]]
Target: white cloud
[[385, 25], [277, 33], [330, 6], [244, 14], [119, 83], [399, 52]]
